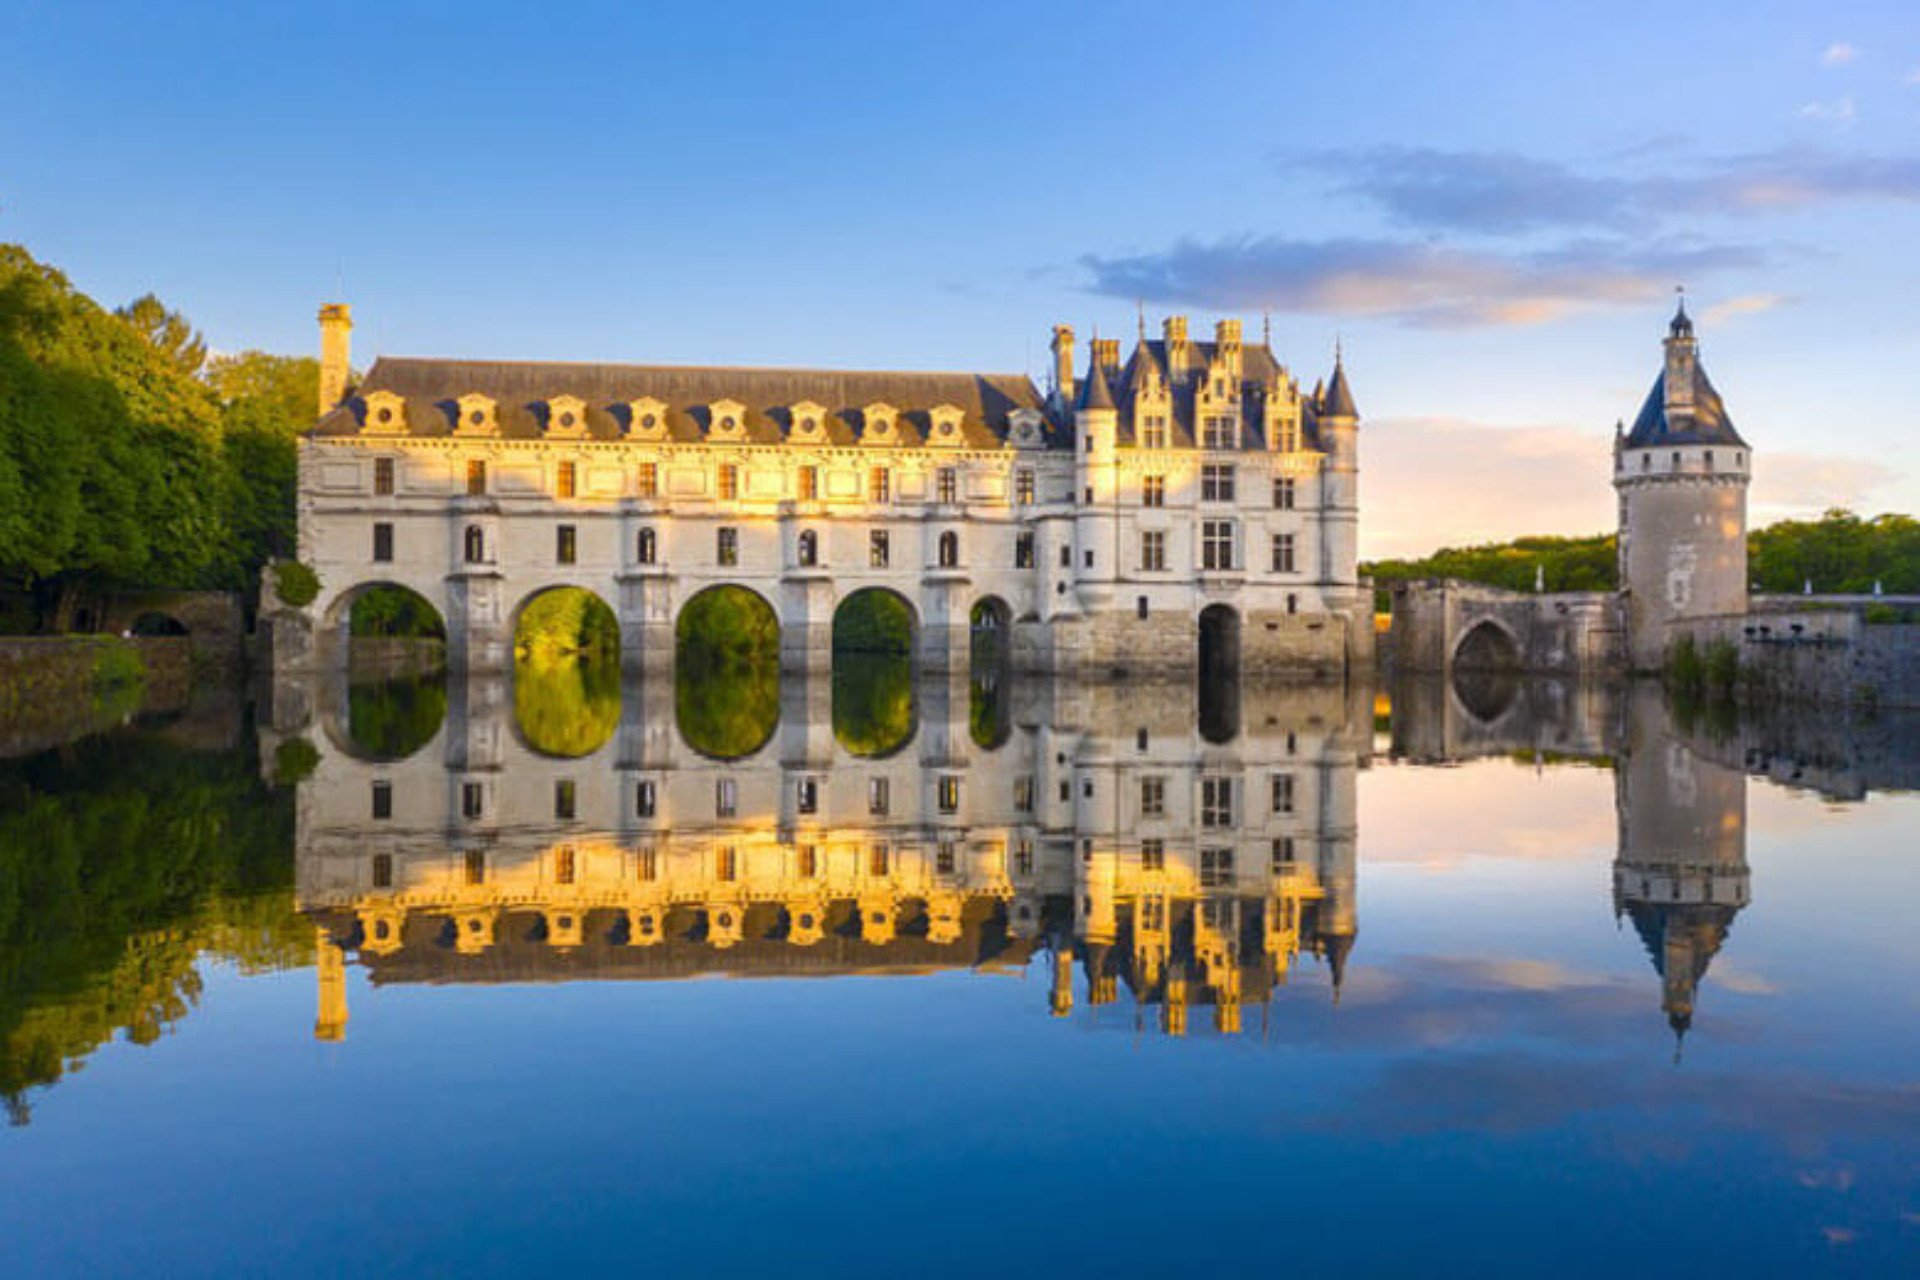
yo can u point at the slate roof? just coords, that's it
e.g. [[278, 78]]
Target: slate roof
[[521, 390], [1707, 424]]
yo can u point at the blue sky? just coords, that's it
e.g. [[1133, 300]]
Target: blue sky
[[1489, 204]]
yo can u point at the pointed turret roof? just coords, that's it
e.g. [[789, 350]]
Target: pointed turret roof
[[1339, 397], [1097, 393], [1146, 368]]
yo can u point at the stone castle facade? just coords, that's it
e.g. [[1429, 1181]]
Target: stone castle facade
[[1111, 523]]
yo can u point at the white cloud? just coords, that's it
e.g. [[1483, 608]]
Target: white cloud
[[1798, 486], [1839, 111], [1744, 305], [1838, 54]]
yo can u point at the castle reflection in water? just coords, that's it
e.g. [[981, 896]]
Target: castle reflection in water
[[1192, 846]]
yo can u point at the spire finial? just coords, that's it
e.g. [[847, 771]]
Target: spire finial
[[1266, 328], [1337, 350], [1140, 314]]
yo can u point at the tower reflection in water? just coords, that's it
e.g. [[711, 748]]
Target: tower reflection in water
[[1188, 845], [994, 822]]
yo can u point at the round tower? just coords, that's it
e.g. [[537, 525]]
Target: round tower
[[1681, 473]]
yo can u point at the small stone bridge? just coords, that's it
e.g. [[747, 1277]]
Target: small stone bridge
[[1442, 625]]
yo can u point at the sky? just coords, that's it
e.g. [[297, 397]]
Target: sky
[[1489, 206]]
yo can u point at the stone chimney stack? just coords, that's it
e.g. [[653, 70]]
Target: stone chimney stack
[[336, 352], [1063, 362], [1106, 354], [1174, 330]]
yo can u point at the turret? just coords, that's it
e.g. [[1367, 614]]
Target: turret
[[1339, 438], [1681, 473], [336, 350], [1097, 478]]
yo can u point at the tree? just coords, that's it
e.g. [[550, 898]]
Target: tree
[[167, 332]]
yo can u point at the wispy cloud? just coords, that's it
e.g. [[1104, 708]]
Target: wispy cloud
[[1795, 486], [1839, 54], [1745, 305], [1423, 284], [1839, 111]]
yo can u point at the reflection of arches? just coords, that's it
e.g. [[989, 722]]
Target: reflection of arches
[[949, 550], [875, 620], [1219, 641], [155, 623], [389, 719], [1486, 670], [989, 713], [566, 671], [1487, 646], [726, 694]]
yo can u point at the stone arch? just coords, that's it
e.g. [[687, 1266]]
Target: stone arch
[[156, 623], [566, 671], [990, 647], [1488, 645], [727, 671], [874, 635], [1219, 641], [875, 704], [1486, 670], [339, 615]]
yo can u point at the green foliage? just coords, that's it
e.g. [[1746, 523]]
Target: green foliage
[[391, 719], [726, 695], [567, 705], [296, 584], [873, 621], [1568, 564], [394, 612], [167, 332], [567, 621], [1838, 553], [1698, 678], [121, 862], [726, 625], [294, 762], [117, 663], [873, 709]]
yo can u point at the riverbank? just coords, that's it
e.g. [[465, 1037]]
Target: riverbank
[[54, 689]]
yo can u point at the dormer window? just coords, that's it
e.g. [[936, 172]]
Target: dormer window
[[647, 420], [726, 419], [1024, 429], [477, 416], [808, 422], [947, 420], [878, 420], [566, 416], [386, 414]]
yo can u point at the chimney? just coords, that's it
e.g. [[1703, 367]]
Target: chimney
[[1174, 330], [336, 344], [1063, 361], [1227, 332], [1106, 354]]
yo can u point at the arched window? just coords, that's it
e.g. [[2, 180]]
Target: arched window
[[648, 549], [949, 550], [809, 549], [476, 545]]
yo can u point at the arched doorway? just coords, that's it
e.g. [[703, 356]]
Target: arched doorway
[[395, 657], [153, 624], [726, 684], [874, 712], [1487, 646], [566, 671], [1219, 677]]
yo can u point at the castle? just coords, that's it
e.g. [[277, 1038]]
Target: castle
[[1189, 502]]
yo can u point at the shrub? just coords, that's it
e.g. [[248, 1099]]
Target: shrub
[[116, 664], [294, 762], [296, 584]]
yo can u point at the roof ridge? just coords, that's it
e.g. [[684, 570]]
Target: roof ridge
[[700, 368]]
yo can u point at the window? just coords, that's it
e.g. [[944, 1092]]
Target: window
[[879, 860], [646, 864], [1216, 868], [1023, 551], [646, 549], [646, 799], [1140, 605], [1089, 556], [1283, 793], [949, 550], [383, 542], [1023, 488], [563, 865], [727, 546], [383, 871], [943, 859], [565, 800], [726, 864], [566, 544], [807, 484], [947, 485], [949, 794], [1216, 802], [1023, 795], [1066, 557], [472, 800], [476, 867], [806, 863], [382, 800], [383, 475], [808, 550], [1283, 553], [475, 545], [1293, 603], [880, 485], [1216, 544], [1153, 797], [566, 480], [1140, 735], [1153, 855], [1216, 482], [877, 548], [1153, 432], [1088, 499], [1283, 493], [806, 797], [1153, 491], [1219, 433], [476, 477], [726, 798], [646, 480], [1153, 914], [1153, 550], [728, 482], [877, 798], [1282, 853], [1023, 858]]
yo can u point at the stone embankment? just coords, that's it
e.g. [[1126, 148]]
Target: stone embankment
[[54, 689]]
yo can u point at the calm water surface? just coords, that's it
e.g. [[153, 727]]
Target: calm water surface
[[865, 974]]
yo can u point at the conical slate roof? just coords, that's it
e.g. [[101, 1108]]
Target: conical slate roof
[[1707, 424], [1097, 393], [1339, 398]]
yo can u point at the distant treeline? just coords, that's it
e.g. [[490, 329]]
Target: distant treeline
[[1840, 552], [128, 456]]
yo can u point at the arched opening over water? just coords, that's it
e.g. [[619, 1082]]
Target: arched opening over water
[[1219, 675], [726, 684], [989, 668], [874, 713], [1486, 671], [154, 623], [1488, 646], [566, 671], [395, 652], [391, 717], [387, 611]]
